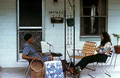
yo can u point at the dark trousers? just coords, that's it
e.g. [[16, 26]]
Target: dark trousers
[[90, 59]]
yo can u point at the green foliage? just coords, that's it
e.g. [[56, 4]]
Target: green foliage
[[116, 35]]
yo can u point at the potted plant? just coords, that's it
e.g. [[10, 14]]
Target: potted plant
[[117, 47]]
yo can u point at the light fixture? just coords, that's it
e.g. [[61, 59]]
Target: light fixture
[[55, 2]]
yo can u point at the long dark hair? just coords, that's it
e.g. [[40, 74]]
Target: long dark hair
[[106, 38]]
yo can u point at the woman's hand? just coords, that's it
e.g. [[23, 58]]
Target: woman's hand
[[40, 53], [102, 53], [36, 58]]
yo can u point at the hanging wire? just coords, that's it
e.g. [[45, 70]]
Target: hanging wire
[[69, 3]]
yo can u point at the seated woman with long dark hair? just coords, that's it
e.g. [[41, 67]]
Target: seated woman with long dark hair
[[101, 56]]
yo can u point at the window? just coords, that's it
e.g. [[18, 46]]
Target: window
[[29, 21], [30, 12], [93, 17]]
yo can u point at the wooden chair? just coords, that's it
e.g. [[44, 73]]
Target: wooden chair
[[89, 48]]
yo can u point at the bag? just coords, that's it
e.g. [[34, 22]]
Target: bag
[[53, 69], [64, 64]]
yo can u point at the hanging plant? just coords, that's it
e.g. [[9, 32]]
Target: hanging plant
[[118, 36], [70, 22], [117, 48]]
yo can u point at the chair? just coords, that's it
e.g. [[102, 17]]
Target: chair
[[89, 48], [28, 68], [47, 48], [109, 53]]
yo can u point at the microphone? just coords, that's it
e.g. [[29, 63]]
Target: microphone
[[49, 44]]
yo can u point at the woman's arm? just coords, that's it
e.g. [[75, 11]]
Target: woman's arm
[[108, 45], [98, 47], [106, 48], [24, 56]]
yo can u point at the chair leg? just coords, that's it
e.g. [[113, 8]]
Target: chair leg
[[107, 60], [91, 75], [26, 73], [93, 69], [112, 59], [26, 69], [104, 70]]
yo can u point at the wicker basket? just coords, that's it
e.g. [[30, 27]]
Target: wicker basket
[[37, 69]]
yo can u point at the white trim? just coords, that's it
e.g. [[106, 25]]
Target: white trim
[[30, 27], [43, 20], [89, 36], [25, 27]]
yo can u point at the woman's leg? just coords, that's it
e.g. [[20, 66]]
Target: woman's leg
[[102, 58], [86, 60], [46, 58], [89, 59]]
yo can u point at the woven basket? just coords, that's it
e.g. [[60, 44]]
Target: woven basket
[[37, 74], [37, 67]]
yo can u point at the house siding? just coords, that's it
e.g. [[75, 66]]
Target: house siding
[[8, 32]]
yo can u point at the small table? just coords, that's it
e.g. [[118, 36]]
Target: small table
[[56, 54], [115, 58]]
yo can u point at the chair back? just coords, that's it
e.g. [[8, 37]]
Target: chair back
[[45, 46], [89, 48]]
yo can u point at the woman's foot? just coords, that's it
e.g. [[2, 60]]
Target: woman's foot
[[78, 69], [72, 70]]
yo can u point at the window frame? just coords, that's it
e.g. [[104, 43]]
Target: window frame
[[81, 16], [18, 28]]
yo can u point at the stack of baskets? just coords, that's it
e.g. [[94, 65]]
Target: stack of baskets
[[37, 67]]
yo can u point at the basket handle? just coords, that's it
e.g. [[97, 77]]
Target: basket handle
[[48, 58]]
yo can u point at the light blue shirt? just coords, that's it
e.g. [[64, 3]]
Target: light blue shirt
[[29, 51]]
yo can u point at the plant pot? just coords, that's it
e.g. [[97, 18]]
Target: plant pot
[[70, 22], [117, 49]]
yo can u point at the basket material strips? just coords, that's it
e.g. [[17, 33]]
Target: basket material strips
[[37, 74], [37, 67]]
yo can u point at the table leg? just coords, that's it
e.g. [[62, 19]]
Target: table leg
[[115, 60]]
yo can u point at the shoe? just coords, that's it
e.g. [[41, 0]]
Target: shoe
[[78, 69], [72, 71], [56, 54]]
